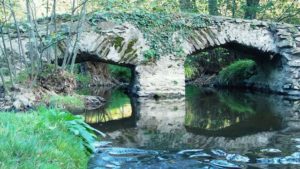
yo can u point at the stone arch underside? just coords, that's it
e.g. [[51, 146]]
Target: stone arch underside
[[277, 44], [124, 44]]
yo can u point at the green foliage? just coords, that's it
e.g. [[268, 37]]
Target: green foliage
[[74, 124], [237, 71], [190, 71], [211, 61], [83, 79], [44, 139], [120, 72], [22, 77], [151, 55]]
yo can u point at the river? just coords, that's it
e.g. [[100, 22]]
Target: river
[[208, 128]]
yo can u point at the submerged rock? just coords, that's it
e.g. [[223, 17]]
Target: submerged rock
[[223, 163], [237, 158]]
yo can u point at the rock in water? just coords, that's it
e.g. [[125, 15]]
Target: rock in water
[[102, 144], [190, 151], [275, 160], [296, 139], [290, 160], [237, 158], [200, 155], [219, 152], [224, 164], [296, 155], [270, 150], [118, 151]]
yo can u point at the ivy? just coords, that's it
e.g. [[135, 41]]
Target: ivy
[[158, 29]]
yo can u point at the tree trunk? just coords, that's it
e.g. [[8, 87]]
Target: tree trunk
[[233, 8], [20, 44], [188, 6], [213, 7], [79, 23], [251, 9]]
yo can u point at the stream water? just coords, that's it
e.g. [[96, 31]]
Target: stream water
[[208, 128]]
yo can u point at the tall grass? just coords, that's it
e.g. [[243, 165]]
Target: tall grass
[[47, 138]]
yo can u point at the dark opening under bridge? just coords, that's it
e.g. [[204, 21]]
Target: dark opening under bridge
[[277, 45]]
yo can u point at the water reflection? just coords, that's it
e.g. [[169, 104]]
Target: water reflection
[[237, 122], [229, 113], [206, 118], [118, 107]]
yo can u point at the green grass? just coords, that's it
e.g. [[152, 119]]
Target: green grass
[[47, 139], [237, 71]]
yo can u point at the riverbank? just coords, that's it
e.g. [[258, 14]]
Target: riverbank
[[46, 138]]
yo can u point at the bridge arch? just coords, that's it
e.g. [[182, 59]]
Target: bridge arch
[[125, 44], [277, 44]]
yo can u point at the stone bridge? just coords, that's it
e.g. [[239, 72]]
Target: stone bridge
[[276, 47]]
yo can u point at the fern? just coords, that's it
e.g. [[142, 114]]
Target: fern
[[73, 123]]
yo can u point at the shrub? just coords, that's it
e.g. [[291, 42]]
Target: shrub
[[237, 71], [119, 72], [190, 71]]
